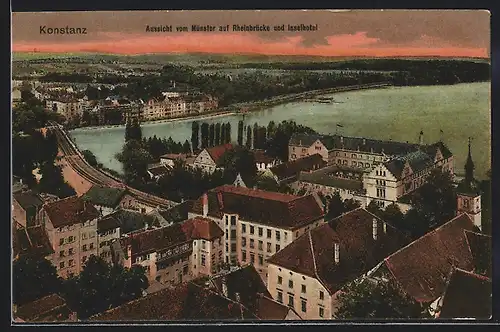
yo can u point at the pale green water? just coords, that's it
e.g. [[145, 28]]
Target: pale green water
[[397, 113]]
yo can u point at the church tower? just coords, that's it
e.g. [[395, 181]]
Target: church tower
[[469, 193]]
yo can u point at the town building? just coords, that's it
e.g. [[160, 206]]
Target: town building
[[31, 241], [105, 199], [469, 193], [257, 223], [71, 225], [309, 273], [264, 161], [170, 158], [50, 308], [173, 254], [422, 267], [70, 107], [108, 231], [209, 159], [26, 205], [16, 96], [155, 172], [287, 173]]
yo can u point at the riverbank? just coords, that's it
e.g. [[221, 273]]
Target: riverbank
[[253, 106]]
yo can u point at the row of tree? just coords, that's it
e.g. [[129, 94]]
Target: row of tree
[[209, 135], [97, 288], [158, 147]]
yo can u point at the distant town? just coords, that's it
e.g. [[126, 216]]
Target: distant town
[[280, 222]]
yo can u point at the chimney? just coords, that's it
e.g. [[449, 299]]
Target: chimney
[[336, 252], [341, 139], [421, 138], [385, 227], [364, 141], [224, 286], [238, 297], [374, 229], [205, 204]]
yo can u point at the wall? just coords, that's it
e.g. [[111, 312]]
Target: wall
[[104, 241]]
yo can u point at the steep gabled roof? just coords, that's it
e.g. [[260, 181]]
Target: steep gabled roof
[[480, 246], [202, 228], [104, 196], [422, 267], [312, 254], [217, 152], [70, 211], [467, 295], [260, 206], [107, 223]]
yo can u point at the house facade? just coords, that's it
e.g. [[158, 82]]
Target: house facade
[[209, 159], [26, 205], [257, 223]]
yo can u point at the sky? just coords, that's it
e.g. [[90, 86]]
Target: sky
[[371, 33]]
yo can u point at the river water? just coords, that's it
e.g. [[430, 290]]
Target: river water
[[397, 113]]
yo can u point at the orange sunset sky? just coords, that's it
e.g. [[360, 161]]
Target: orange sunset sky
[[447, 33]]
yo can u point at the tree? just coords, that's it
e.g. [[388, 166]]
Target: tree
[[195, 131], [351, 204], [248, 142], [90, 157], [128, 126], [240, 133], [135, 132], [269, 184], [239, 160], [436, 198], [393, 215], [377, 299], [255, 136], [52, 181], [186, 147], [33, 277], [100, 287], [335, 206], [217, 134], [211, 135], [135, 160], [204, 135]]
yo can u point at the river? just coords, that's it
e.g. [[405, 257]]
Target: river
[[397, 113]]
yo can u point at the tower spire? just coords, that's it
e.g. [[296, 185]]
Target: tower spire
[[469, 166]]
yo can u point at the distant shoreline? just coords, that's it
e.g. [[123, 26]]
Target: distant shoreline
[[253, 106]]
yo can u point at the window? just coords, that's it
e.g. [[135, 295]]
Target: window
[[290, 283], [303, 305], [202, 259], [233, 246], [84, 247], [61, 265], [278, 235], [84, 236], [243, 228], [252, 257], [61, 241], [233, 220], [252, 230], [252, 243], [71, 262], [227, 236], [185, 270], [260, 245], [321, 295], [70, 251], [286, 236], [227, 220], [91, 246], [70, 239], [269, 233], [278, 248], [233, 234], [280, 296], [261, 231], [297, 234], [280, 280], [203, 244], [243, 242], [321, 312], [261, 260], [303, 288], [290, 300], [269, 247], [243, 255], [61, 253]]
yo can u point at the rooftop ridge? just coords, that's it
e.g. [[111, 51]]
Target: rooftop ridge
[[476, 233]]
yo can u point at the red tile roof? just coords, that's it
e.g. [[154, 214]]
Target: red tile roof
[[312, 254], [44, 309], [291, 169], [70, 211], [185, 302], [467, 295], [217, 151], [260, 206], [202, 228], [480, 247], [261, 157], [423, 266], [162, 238]]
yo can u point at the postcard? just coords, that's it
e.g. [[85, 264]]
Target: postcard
[[251, 166]]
